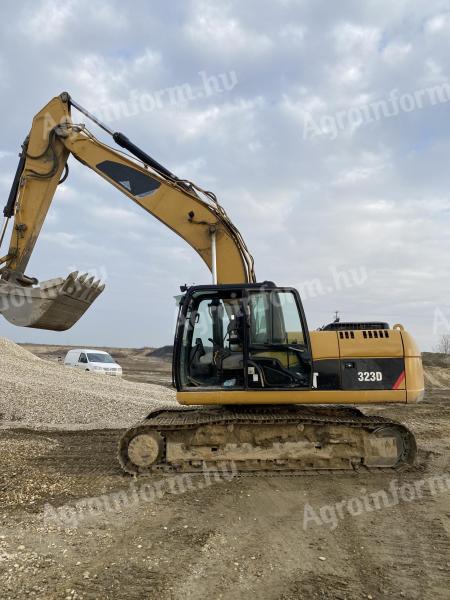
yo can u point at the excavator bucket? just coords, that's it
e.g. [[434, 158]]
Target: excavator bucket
[[55, 304]]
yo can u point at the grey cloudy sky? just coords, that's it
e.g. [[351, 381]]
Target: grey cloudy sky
[[333, 195]]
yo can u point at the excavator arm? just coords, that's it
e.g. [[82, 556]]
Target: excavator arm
[[195, 215]]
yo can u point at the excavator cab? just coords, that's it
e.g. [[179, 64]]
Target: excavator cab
[[238, 337]]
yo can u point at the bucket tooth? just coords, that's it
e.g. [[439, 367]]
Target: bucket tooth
[[89, 282], [93, 292]]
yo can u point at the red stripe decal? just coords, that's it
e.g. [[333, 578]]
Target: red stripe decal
[[399, 381]]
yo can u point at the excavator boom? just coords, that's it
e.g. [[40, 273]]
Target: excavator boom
[[195, 215]]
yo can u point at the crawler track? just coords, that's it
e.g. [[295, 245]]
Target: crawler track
[[264, 440]]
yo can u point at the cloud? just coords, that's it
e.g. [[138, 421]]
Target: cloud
[[437, 23], [375, 196], [294, 33], [216, 27], [114, 216], [368, 166], [69, 241], [219, 117], [47, 21], [353, 38], [396, 52]]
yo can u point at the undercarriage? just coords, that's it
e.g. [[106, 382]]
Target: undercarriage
[[289, 439]]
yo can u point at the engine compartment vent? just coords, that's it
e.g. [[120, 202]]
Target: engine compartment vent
[[374, 334], [347, 335], [357, 325]]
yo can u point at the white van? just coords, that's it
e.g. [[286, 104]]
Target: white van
[[93, 360]]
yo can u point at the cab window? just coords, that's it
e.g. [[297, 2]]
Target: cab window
[[277, 351], [243, 339], [212, 350]]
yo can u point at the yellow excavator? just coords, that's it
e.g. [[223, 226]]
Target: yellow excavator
[[254, 386]]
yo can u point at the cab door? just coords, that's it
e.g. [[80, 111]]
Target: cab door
[[278, 346], [208, 352]]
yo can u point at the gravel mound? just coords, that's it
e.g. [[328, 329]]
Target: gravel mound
[[437, 378], [39, 393], [164, 352]]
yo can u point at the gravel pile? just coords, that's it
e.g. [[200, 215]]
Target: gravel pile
[[40, 393], [437, 378]]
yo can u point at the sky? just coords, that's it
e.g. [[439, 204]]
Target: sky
[[322, 127]]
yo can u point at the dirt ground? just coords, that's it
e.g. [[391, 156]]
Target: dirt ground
[[235, 538]]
